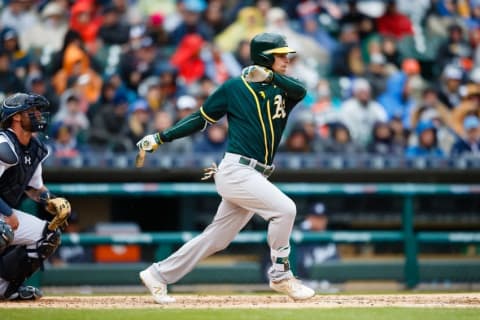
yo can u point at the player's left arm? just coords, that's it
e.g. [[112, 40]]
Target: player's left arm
[[294, 89]]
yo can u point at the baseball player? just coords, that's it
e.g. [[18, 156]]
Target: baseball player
[[257, 105], [25, 240]]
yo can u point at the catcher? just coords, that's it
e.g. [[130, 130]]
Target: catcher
[[257, 106], [25, 240]]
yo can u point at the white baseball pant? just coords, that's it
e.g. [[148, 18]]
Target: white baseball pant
[[244, 191]]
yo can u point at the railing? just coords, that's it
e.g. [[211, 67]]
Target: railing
[[407, 235], [282, 160]]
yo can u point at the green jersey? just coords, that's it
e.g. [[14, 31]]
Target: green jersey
[[257, 114]]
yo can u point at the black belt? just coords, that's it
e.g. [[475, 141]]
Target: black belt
[[265, 170]]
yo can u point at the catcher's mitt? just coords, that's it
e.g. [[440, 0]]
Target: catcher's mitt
[[60, 207]]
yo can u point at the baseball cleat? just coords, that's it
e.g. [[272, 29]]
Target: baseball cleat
[[293, 288], [157, 289], [25, 293]]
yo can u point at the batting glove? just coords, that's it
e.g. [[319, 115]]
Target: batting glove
[[150, 142], [256, 73]]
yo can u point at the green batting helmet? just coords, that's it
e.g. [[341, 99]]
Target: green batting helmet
[[264, 45]]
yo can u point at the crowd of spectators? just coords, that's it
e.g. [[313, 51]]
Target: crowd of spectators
[[384, 77]]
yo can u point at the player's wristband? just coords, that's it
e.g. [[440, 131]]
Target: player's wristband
[[5, 209], [45, 196], [158, 138]]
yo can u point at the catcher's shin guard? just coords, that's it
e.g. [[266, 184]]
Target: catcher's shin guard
[[18, 263], [16, 267]]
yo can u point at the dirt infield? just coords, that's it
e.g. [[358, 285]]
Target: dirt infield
[[455, 300]]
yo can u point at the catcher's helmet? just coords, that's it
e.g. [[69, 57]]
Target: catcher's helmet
[[19, 102], [264, 45]]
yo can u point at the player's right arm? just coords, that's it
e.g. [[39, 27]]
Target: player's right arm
[[213, 109]]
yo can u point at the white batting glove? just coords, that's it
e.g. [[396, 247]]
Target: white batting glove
[[150, 142], [256, 73]]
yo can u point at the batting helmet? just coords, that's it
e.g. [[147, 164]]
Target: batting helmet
[[6, 235], [264, 45], [19, 102]]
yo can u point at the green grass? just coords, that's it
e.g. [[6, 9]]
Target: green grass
[[247, 314]]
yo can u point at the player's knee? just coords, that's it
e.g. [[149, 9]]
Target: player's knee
[[289, 210]]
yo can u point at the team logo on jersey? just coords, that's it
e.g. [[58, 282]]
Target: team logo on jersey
[[27, 160], [279, 104]]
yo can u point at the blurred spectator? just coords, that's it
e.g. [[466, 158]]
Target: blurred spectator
[[187, 58], [427, 142], [325, 109], [54, 64], [138, 120], [85, 21], [249, 22], [64, 143], [377, 74], [109, 130], [352, 15], [347, 58], [277, 21], [18, 14], [430, 101], [400, 134], [219, 66], [111, 87], [449, 86], [242, 53], [340, 141], [47, 34], [454, 48], [470, 105], [77, 72], [397, 100], [470, 143], [394, 23], [112, 30], [312, 29], [163, 120], [139, 62], [185, 106], [360, 112], [9, 82], [72, 114], [214, 16], [38, 83], [19, 58], [297, 141], [192, 22], [213, 139], [383, 142], [299, 68], [311, 254], [390, 51], [155, 29], [430, 108]]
